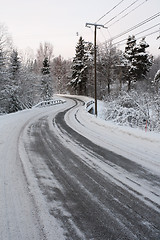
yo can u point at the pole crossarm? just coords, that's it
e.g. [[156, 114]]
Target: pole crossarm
[[94, 24]]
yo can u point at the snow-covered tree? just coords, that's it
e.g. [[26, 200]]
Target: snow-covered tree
[[44, 51], [13, 87], [14, 66], [121, 71], [5, 46], [139, 61], [157, 80], [61, 70], [152, 72], [46, 83], [108, 59], [129, 55], [79, 69], [142, 60], [46, 67], [89, 61], [2, 68]]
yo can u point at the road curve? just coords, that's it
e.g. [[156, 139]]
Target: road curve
[[92, 192]]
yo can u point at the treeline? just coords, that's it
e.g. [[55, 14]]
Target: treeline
[[128, 82], [116, 70], [25, 80]]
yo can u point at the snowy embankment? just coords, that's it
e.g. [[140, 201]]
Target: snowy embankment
[[133, 143], [136, 145]]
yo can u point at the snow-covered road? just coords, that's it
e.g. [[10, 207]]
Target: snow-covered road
[[68, 175], [19, 214], [18, 219]]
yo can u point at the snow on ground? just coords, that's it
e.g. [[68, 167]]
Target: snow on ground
[[133, 143], [18, 216], [136, 145]]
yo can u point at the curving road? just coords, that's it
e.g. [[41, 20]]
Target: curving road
[[93, 193]]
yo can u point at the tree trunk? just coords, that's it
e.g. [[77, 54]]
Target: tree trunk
[[109, 88]]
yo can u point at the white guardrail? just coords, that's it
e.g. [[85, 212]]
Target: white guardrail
[[49, 103], [90, 106]]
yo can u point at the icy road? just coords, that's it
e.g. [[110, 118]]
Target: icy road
[[65, 174]]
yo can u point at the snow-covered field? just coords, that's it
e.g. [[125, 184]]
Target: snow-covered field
[[19, 219]]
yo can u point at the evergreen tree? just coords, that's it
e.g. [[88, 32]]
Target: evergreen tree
[[129, 55], [13, 87], [2, 69], [14, 67], [139, 62], [5, 47], [46, 67], [142, 61], [79, 69], [2, 81], [46, 84], [2, 63]]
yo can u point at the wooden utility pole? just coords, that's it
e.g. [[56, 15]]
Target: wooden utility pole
[[95, 60]]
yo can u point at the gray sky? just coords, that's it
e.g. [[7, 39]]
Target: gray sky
[[57, 21]]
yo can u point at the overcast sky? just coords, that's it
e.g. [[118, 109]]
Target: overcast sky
[[58, 21]]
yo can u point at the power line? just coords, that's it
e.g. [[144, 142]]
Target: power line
[[121, 12], [139, 33], [149, 34], [148, 29], [136, 26], [110, 11], [128, 13]]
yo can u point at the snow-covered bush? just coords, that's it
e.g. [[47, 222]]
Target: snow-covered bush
[[134, 110]]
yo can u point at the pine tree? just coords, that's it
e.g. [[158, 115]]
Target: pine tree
[[5, 47], [13, 87], [46, 67], [2, 81], [129, 55], [142, 61], [139, 62], [47, 90], [14, 67], [79, 69], [2, 69]]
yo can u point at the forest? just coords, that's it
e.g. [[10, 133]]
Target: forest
[[128, 81]]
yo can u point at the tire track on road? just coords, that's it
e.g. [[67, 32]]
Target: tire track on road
[[88, 205]]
